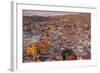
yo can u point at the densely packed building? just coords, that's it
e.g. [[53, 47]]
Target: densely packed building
[[57, 38]]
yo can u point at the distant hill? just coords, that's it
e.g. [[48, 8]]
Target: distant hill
[[75, 18], [35, 18]]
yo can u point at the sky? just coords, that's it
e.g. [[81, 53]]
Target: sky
[[45, 13]]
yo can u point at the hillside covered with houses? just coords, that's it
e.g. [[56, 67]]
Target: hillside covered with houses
[[57, 38]]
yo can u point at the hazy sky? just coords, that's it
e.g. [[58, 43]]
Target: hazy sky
[[45, 13]]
